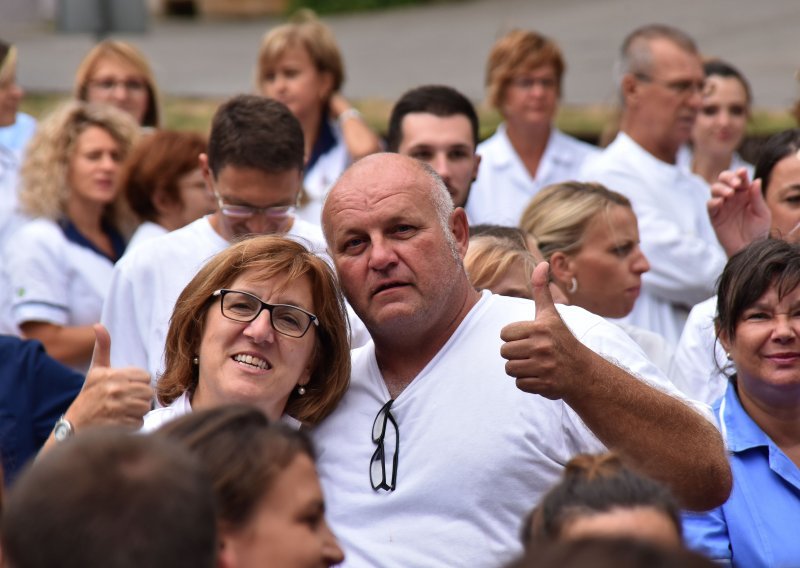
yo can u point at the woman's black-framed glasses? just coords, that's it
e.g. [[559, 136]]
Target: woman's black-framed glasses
[[245, 307], [377, 465]]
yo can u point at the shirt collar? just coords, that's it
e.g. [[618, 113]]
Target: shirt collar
[[738, 429]]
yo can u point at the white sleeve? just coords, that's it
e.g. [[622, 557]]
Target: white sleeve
[[125, 318], [698, 360], [38, 276]]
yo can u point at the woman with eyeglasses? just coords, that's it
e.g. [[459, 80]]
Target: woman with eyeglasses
[[720, 125], [59, 264], [524, 78], [117, 73], [263, 323], [299, 64], [758, 325], [270, 507]]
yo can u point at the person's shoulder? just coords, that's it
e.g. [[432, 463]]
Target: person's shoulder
[[173, 246], [575, 145], [308, 234]]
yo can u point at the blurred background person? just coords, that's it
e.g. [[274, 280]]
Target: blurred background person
[[524, 78], [117, 73], [590, 236], [600, 497], [699, 362], [270, 508], [111, 499], [299, 64], [59, 264], [720, 125], [16, 129], [163, 183], [290, 356], [500, 265], [758, 325]]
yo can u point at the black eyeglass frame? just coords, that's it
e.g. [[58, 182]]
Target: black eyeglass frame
[[222, 292], [380, 454]]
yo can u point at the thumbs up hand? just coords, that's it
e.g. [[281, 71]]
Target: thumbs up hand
[[118, 396], [542, 354]]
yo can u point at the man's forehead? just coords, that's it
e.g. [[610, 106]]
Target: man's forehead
[[419, 127], [668, 55]]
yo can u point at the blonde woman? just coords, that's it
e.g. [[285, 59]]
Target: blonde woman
[[117, 73], [502, 265], [590, 236], [59, 264], [299, 64]]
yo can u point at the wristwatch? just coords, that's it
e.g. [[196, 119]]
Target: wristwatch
[[63, 429]]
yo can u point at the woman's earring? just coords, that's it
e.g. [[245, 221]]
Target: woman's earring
[[573, 286], [728, 355], [301, 390], [195, 360]]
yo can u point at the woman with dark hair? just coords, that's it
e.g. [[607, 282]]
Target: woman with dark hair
[[270, 508], [758, 325], [741, 211], [721, 123], [600, 497], [263, 323]]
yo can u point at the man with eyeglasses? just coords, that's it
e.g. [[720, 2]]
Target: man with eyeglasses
[[254, 167], [434, 455], [661, 81]]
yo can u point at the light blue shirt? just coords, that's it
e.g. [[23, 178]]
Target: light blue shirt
[[759, 524]]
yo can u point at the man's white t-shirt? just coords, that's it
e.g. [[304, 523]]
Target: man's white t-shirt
[[475, 453]]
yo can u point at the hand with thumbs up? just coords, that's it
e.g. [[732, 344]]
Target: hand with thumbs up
[[110, 396], [542, 354], [738, 211]]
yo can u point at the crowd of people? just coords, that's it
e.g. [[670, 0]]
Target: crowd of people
[[215, 346]]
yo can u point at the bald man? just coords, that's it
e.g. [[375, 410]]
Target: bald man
[[435, 454]]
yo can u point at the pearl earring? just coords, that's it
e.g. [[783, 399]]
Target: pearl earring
[[301, 390], [573, 286], [196, 360]]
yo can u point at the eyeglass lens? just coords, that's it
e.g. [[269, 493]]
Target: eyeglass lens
[[286, 319], [378, 465]]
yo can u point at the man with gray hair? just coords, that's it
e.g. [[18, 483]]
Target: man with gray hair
[[487, 408], [661, 81]]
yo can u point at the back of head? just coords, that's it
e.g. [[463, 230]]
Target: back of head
[[636, 57], [254, 132], [520, 51], [438, 100], [242, 451], [609, 553], [557, 217], [776, 148], [108, 498], [599, 484], [306, 31]]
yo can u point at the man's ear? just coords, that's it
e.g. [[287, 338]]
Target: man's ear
[[460, 229], [630, 88], [476, 167], [202, 161]]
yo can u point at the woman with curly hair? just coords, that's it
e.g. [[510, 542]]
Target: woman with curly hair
[[59, 264]]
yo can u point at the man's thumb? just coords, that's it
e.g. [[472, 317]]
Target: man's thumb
[[540, 281], [101, 357]]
